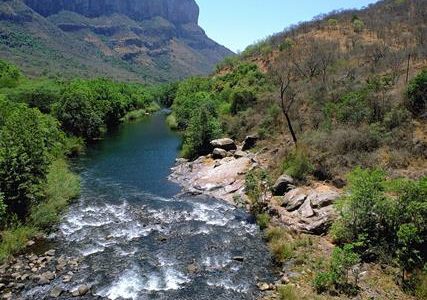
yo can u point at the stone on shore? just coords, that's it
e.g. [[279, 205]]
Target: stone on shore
[[219, 153], [282, 185], [249, 142], [226, 144]]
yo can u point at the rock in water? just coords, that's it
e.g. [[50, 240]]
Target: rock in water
[[225, 143], [56, 292], [283, 184], [249, 142]]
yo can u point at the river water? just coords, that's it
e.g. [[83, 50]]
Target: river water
[[138, 239]]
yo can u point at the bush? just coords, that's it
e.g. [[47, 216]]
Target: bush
[[384, 219], [13, 240], [263, 220], [280, 243], [61, 187], [9, 75], [298, 165], [322, 282], [2, 211], [27, 141], [202, 128], [417, 94], [241, 100], [287, 292]]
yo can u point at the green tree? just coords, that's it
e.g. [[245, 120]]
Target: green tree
[[24, 159], [241, 100], [78, 111], [417, 94], [408, 253], [203, 127], [9, 75]]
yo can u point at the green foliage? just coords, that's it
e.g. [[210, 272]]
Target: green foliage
[[14, 239], [417, 94], [287, 292], [61, 186], [3, 208], [352, 108], [263, 220], [257, 183], [241, 100], [337, 275], [280, 244], [78, 111], [9, 75], [384, 219], [202, 128], [27, 141], [298, 165]]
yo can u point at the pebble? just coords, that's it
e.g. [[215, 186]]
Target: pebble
[[56, 292]]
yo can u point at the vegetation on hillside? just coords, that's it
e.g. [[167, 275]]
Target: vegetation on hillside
[[41, 123], [344, 93]]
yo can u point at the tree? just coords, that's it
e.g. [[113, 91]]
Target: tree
[[417, 94], [24, 159], [203, 127], [9, 75], [78, 111], [408, 253], [283, 74]]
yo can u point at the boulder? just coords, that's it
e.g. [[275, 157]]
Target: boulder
[[294, 199], [50, 253], [239, 154], [225, 143], [56, 292], [282, 185], [83, 289], [249, 142], [219, 153], [305, 210], [324, 198]]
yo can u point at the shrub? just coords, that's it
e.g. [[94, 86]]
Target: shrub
[[202, 128], [26, 142], [417, 94], [2, 210], [322, 282], [287, 292], [9, 75], [263, 220], [298, 165], [280, 243], [14, 240], [257, 183], [241, 100], [61, 186]]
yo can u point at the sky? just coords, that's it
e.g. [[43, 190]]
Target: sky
[[238, 23]]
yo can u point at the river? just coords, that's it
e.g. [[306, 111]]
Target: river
[[139, 239]]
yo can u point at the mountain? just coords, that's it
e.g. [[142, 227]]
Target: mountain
[[143, 40]]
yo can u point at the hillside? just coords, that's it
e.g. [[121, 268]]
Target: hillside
[[128, 40], [337, 110]]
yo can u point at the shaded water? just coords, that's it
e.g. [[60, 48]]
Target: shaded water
[[138, 240]]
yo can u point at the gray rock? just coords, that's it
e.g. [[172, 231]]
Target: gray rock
[[305, 210], [283, 184], [322, 199], [218, 153], [294, 199], [81, 290], [56, 292], [239, 154], [50, 252], [192, 268], [225, 143], [249, 142], [7, 296], [46, 277]]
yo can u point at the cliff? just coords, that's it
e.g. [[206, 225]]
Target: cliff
[[175, 11], [138, 40]]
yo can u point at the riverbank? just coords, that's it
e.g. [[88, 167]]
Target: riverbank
[[295, 219]]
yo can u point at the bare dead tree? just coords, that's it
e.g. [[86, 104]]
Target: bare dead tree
[[283, 73]]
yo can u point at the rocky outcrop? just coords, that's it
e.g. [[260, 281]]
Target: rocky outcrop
[[175, 11], [222, 178], [249, 142], [306, 209], [282, 185]]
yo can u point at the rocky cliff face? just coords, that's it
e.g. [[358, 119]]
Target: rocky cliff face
[[175, 11], [147, 40]]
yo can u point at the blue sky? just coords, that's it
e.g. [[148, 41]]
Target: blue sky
[[238, 23]]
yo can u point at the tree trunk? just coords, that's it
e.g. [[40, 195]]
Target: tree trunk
[[291, 129]]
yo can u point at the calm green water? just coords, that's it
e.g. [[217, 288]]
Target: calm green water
[[137, 239]]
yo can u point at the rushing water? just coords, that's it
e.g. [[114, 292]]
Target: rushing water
[[138, 240]]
